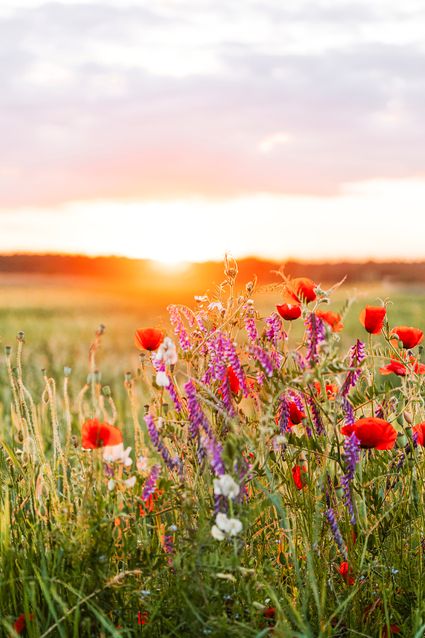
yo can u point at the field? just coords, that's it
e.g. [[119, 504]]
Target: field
[[316, 539]]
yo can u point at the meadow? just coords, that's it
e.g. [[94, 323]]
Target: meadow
[[242, 508]]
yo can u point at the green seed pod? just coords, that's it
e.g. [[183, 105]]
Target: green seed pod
[[106, 391], [20, 336], [7, 350], [67, 371], [401, 440]]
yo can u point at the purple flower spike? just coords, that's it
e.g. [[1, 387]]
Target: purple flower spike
[[315, 336], [263, 359], [171, 463], [330, 515], [357, 355], [150, 483]]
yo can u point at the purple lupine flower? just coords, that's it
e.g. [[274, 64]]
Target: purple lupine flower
[[214, 450], [170, 462], [250, 325], [178, 326], [274, 331], [348, 411], [351, 454], [348, 502], [263, 359], [357, 355], [222, 354], [315, 416], [283, 414], [172, 390], [330, 515], [315, 336], [197, 418], [151, 481]]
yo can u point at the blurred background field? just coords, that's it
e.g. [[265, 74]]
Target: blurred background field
[[59, 312]]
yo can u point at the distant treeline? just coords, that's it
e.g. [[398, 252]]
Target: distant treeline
[[134, 270]]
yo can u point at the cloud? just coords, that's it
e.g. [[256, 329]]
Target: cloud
[[180, 99]]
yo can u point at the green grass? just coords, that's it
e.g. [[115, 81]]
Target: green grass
[[84, 562]]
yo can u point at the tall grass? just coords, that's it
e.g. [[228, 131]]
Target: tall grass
[[83, 552]]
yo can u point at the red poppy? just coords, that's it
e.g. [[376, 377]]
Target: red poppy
[[333, 319], [295, 414], [419, 430], [300, 289], [20, 623], [95, 434], [269, 612], [398, 367], [142, 617], [297, 475], [331, 389], [148, 338], [289, 311], [410, 337], [372, 318], [372, 433], [345, 572], [394, 629], [233, 380]]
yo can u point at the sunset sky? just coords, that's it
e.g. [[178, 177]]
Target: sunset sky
[[178, 129]]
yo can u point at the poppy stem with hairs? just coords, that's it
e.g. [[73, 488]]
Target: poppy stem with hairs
[[373, 374]]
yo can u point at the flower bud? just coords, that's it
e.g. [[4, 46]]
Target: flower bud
[[67, 371]]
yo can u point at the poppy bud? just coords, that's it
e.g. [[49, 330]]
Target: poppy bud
[[21, 336], [67, 371], [106, 391], [401, 440]]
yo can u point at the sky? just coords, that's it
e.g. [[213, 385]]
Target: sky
[[179, 129]]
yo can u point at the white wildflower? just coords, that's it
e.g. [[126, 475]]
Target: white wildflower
[[226, 486], [217, 533], [142, 463], [225, 527], [216, 305], [130, 482], [117, 454], [162, 379], [167, 352]]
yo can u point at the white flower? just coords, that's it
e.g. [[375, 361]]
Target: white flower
[[225, 527], [111, 484], [226, 486], [216, 305], [130, 482], [162, 379], [142, 463], [167, 352], [201, 298], [217, 533], [117, 454]]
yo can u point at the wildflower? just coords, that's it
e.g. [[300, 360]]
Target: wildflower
[[111, 485], [142, 464], [300, 289], [345, 571], [171, 463], [117, 454], [130, 482], [150, 483], [179, 328], [226, 486], [142, 617], [233, 380], [315, 336], [400, 368], [263, 359], [331, 390], [330, 515], [394, 629], [409, 337], [95, 434], [295, 414], [162, 379], [269, 613], [225, 527], [20, 623], [372, 318], [357, 354], [372, 433], [419, 433], [274, 330], [250, 325], [315, 416], [297, 475], [333, 319], [167, 352], [148, 338], [288, 311]]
